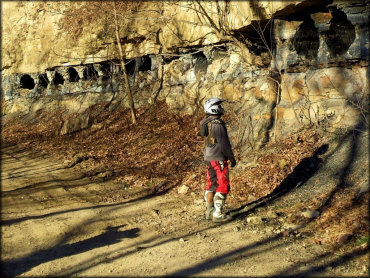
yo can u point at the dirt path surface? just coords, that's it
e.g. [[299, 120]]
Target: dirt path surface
[[56, 222]]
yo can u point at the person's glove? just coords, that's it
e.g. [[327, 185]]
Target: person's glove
[[233, 162]]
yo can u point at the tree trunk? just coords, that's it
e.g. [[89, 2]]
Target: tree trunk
[[122, 58]]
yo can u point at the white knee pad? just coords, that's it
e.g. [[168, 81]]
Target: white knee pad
[[219, 201], [219, 196]]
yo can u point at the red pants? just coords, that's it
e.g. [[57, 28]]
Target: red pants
[[218, 177]]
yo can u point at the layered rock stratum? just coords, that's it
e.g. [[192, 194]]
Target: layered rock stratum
[[279, 64]]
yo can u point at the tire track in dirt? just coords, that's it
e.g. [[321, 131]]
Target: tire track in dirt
[[44, 184], [55, 222], [56, 205]]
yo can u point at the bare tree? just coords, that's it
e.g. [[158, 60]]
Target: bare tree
[[115, 19], [122, 58]]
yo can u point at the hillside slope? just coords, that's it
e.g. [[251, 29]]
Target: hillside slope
[[309, 170], [57, 221]]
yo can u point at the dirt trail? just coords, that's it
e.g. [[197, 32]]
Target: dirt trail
[[56, 222]]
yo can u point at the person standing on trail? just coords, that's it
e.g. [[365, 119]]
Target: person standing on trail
[[217, 153]]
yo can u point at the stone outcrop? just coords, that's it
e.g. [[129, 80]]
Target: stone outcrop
[[309, 65], [35, 38]]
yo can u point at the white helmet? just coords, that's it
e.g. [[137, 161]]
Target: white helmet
[[213, 106]]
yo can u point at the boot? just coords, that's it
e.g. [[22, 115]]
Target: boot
[[208, 197], [218, 214]]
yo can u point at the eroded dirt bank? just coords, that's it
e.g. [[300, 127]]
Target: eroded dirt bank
[[56, 222]]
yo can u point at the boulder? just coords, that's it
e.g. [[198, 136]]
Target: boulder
[[310, 213], [271, 214], [183, 189], [254, 219], [343, 238]]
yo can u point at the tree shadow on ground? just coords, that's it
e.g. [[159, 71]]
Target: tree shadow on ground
[[317, 268], [110, 256], [110, 236], [113, 205], [295, 180], [300, 175], [344, 182], [307, 168]]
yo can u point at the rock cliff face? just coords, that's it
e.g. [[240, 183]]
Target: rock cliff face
[[279, 64]]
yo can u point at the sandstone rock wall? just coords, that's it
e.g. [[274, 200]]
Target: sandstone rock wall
[[35, 38], [315, 69]]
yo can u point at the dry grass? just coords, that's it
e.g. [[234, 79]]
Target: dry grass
[[164, 146]]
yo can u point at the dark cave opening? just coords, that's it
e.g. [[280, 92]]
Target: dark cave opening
[[58, 79], [306, 40], [27, 82], [89, 73], [341, 33], [130, 66], [73, 75], [257, 36], [144, 63], [106, 68], [201, 62], [43, 80]]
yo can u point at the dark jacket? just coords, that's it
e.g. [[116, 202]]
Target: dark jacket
[[217, 143]]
